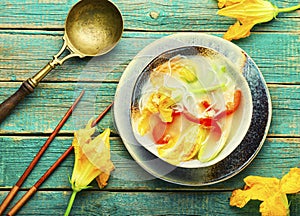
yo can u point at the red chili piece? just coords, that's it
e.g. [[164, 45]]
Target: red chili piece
[[208, 122], [231, 107], [205, 104]]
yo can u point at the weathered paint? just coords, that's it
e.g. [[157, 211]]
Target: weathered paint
[[31, 33]]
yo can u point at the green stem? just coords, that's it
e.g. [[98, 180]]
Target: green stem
[[71, 201], [204, 90], [289, 9]]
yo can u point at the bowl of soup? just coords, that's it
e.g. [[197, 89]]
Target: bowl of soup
[[191, 107]]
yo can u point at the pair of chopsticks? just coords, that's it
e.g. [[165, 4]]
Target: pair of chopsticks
[[26, 173]]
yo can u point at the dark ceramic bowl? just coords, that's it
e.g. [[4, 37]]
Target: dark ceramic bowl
[[239, 158]]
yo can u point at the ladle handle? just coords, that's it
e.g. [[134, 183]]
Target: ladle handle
[[25, 89], [28, 86], [10, 103]]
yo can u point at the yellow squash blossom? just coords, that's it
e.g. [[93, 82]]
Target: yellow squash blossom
[[179, 67], [248, 13], [92, 160], [161, 103], [271, 191], [224, 3], [157, 103], [290, 183]]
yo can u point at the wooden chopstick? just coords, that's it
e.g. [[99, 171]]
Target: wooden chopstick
[[35, 160], [34, 188]]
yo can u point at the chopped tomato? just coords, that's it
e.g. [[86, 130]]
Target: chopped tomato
[[163, 132], [231, 107], [207, 122], [159, 133], [205, 104]]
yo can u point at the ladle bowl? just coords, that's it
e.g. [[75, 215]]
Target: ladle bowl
[[92, 28]]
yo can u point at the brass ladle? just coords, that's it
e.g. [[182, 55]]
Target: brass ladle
[[92, 28]]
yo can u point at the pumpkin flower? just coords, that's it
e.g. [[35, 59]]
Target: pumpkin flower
[[92, 160], [271, 191], [224, 3], [248, 13], [161, 103], [157, 103]]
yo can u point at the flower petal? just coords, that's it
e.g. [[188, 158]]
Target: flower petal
[[92, 157], [271, 191], [240, 198], [248, 13], [224, 3], [98, 152], [290, 183], [257, 188], [102, 180], [256, 11], [238, 31], [275, 205]]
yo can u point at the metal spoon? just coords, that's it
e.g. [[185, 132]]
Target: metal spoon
[[92, 28]]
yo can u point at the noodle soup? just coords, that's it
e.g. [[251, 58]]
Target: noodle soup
[[191, 107]]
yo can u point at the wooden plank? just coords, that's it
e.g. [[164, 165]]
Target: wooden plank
[[43, 109], [285, 100], [138, 15], [31, 34], [275, 159], [23, 53], [33, 113], [142, 203]]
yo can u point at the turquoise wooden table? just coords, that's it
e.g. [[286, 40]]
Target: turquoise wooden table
[[31, 33]]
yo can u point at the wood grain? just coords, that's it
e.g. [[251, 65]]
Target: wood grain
[[275, 159], [142, 203], [179, 15], [31, 33], [23, 53], [42, 109]]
